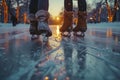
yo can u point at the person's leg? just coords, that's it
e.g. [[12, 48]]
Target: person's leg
[[43, 5], [33, 21], [43, 15], [82, 15], [68, 16], [33, 6], [82, 6], [68, 5]]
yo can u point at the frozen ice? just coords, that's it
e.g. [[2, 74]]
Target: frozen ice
[[97, 56]]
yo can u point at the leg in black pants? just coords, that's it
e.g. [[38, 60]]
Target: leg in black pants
[[38, 17], [42, 16], [33, 21]]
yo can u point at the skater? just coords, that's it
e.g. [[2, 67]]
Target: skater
[[38, 17], [13, 19], [81, 26]]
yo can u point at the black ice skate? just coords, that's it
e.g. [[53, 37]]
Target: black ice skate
[[43, 27], [33, 26]]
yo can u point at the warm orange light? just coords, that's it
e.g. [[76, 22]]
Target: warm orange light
[[109, 32], [110, 18], [46, 78], [57, 18], [57, 30], [25, 17], [53, 17], [6, 14], [5, 11]]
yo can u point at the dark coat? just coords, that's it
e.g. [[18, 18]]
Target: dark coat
[[14, 20]]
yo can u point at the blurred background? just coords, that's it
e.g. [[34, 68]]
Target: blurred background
[[98, 11]]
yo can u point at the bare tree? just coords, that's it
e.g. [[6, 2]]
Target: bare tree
[[112, 10]]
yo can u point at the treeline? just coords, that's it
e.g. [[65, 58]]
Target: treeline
[[104, 11], [18, 8]]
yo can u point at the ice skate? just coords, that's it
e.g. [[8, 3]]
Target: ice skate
[[67, 25], [43, 27], [81, 24], [33, 26]]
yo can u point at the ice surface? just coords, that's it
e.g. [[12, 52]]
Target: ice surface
[[95, 57]]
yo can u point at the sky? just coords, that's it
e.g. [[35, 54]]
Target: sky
[[55, 6]]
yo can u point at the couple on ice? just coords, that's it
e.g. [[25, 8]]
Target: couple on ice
[[39, 15]]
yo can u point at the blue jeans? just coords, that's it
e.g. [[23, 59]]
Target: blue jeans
[[36, 5], [68, 5]]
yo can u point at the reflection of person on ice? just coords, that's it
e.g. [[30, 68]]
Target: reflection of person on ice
[[81, 26], [79, 30], [38, 17]]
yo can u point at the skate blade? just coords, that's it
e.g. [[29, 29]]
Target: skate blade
[[79, 35], [66, 34]]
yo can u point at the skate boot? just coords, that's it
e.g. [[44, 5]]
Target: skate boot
[[43, 27], [81, 24], [67, 25], [33, 26]]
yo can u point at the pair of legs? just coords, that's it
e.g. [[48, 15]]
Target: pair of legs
[[68, 17], [38, 17]]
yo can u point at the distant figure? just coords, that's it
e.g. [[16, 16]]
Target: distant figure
[[81, 26], [13, 19]]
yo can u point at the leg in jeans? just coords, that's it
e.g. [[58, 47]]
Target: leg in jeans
[[33, 21], [82, 15], [42, 15], [68, 16]]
